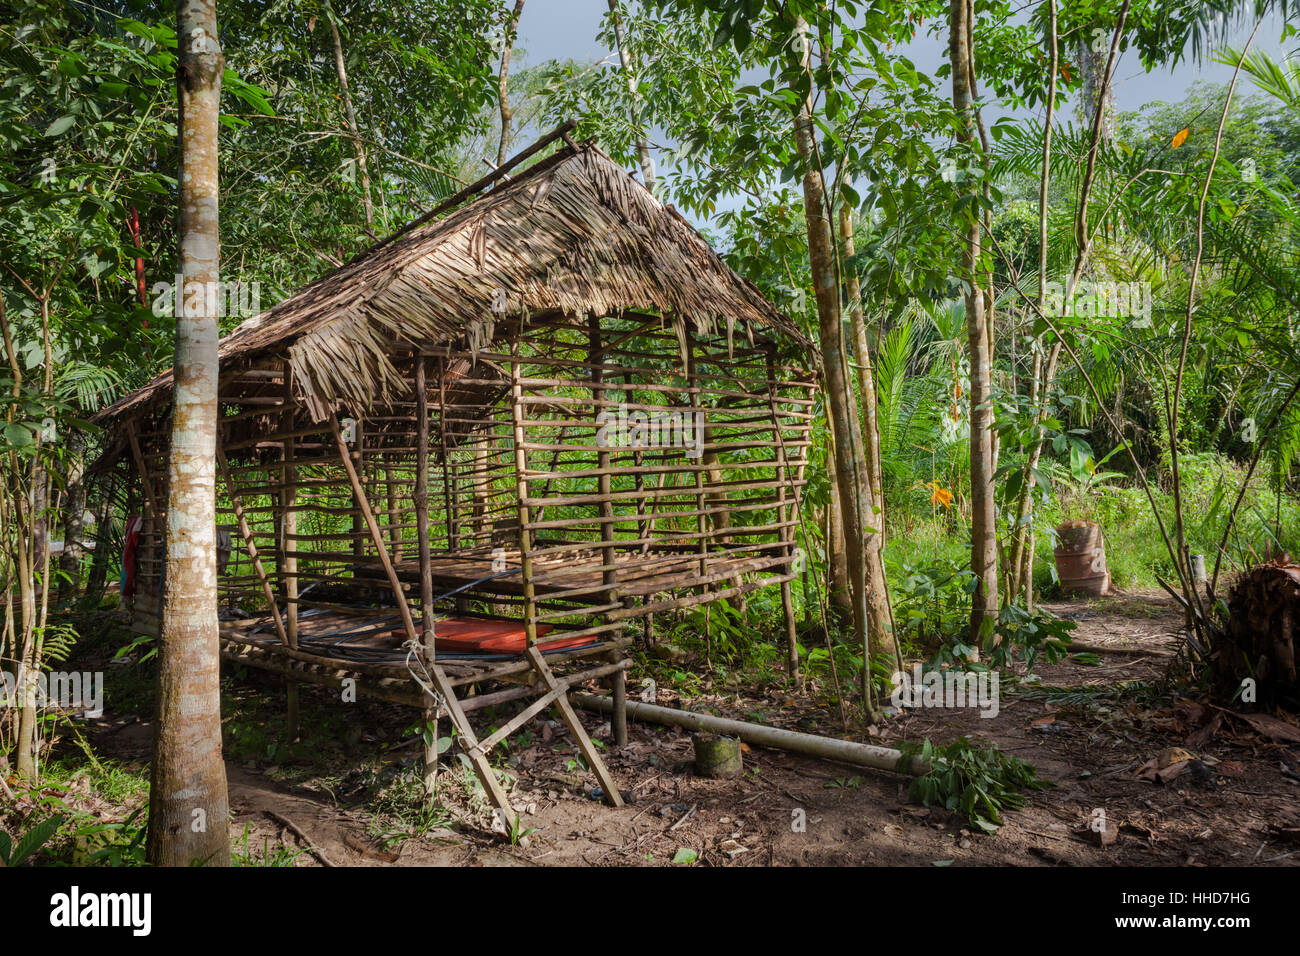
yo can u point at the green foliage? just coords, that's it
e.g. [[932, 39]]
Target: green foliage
[[979, 782], [932, 605], [14, 854], [1025, 635], [241, 854]]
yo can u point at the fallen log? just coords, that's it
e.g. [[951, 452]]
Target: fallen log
[[862, 755], [1260, 639]]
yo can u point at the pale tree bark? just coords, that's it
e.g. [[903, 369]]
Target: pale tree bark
[[852, 483], [878, 606], [984, 550], [188, 809], [507, 114], [363, 166], [866, 374], [629, 72], [839, 591], [1022, 549], [1097, 92], [32, 513]]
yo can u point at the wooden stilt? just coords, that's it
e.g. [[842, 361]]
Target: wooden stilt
[[787, 527], [249, 544], [441, 685], [289, 555], [421, 496], [618, 720], [612, 796], [579, 733]]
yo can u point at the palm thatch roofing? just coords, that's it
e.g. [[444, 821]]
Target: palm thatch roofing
[[574, 232]]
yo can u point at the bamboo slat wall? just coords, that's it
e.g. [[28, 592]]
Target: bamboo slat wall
[[580, 474]]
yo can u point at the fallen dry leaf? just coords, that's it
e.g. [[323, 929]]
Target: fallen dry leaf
[[1272, 728]]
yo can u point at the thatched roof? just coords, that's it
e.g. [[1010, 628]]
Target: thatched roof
[[574, 232]]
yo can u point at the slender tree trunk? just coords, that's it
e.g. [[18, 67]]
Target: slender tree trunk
[[866, 374], [97, 578], [340, 67], [188, 811], [878, 607], [73, 519], [629, 71], [838, 590], [852, 482], [1022, 552], [984, 551], [507, 114]]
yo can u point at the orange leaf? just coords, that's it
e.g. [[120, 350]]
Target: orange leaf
[[940, 495], [1179, 138]]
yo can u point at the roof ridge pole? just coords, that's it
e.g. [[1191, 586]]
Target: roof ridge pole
[[479, 184]]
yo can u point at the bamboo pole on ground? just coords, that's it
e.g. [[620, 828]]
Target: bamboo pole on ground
[[829, 748]]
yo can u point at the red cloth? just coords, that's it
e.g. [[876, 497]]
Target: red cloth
[[480, 636]]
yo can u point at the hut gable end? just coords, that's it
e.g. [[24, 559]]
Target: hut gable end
[[574, 233]]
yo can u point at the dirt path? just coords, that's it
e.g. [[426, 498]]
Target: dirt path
[[1233, 806]]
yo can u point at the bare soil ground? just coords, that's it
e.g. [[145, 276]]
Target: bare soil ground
[[1233, 805]]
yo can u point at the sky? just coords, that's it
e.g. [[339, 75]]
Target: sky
[[560, 29], [564, 29]]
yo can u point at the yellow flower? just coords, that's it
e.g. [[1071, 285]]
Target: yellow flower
[[940, 495]]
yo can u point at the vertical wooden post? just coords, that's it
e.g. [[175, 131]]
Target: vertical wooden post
[[452, 505], [426, 566], [521, 481], [394, 519], [701, 499], [609, 554], [289, 546], [786, 532], [468, 741], [638, 462], [249, 544], [359, 492]]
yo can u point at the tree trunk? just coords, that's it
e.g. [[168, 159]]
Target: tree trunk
[[74, 512], [507, 114], [340, 67], [188, 811], [839, 591], [984, 551], [866, 374], [629, 71], [852, 482], [878, 607]]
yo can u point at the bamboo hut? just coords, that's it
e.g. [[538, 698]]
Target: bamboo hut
[[468, 466]]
